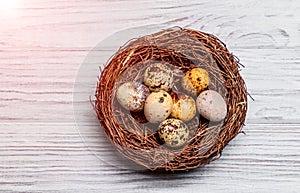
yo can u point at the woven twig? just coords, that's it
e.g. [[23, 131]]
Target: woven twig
[[183, 49]]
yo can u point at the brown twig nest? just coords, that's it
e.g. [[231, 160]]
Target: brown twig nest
[[183, 49]]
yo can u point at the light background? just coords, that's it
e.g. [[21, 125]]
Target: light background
[[44, 43]]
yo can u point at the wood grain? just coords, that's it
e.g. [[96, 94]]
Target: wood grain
[[35, 159], [45, 45]]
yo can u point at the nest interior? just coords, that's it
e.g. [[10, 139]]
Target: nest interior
[[182, 49]]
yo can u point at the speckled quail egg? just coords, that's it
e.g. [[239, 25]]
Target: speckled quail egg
[[158, 76], [184, 106], [195, 81], [158, 106], [211, 105], [173, 132], [132, 96]]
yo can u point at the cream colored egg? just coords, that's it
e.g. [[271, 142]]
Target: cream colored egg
[[158, 106], [158, 76], [195, 81], [184, 106], [132, 96], [211, 105], [173, 132]]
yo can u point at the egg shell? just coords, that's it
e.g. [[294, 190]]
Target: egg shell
[[184, 106], [173, 132], [158, 106], [132, 96], [195, 81], [211, 105], [158, 77]]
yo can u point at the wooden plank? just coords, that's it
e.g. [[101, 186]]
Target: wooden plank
[[35, 91], [242, 23], [43, 158]]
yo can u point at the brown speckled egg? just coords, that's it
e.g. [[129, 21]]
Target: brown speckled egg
[[158, 77], [195, 81], [132, 96], [158, 106], [173, 132], [211, 105], [184, 106]]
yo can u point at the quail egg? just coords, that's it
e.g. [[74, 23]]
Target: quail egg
[[158, 106], [158, 77], [173, 132], [211, 105], [132, 96], [184, 106], [195, 81]]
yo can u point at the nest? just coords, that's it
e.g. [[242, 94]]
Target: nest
[[183, 49]]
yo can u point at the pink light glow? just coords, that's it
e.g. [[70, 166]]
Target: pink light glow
[[8, 7]]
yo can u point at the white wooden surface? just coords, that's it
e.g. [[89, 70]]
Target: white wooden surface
[[44, 43]]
